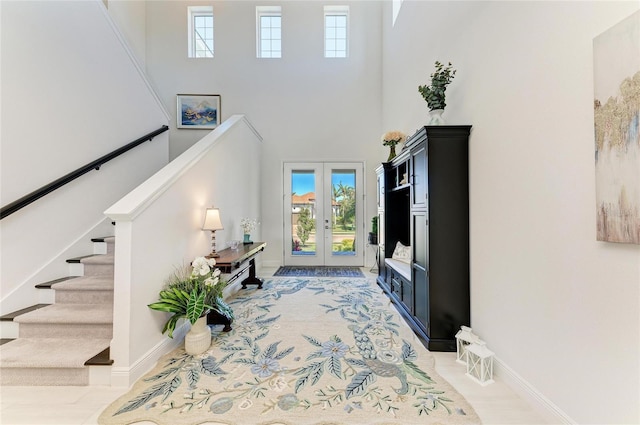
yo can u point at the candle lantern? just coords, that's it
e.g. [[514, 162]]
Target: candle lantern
[[480, 363], [464, 338]]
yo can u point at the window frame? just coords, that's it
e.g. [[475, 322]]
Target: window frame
[[335, 10], [192, 13], [267, 11]]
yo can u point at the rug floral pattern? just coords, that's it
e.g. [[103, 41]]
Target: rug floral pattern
[[302, 351]]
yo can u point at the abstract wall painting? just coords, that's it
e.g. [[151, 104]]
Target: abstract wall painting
[[198, 111], [616, 54]]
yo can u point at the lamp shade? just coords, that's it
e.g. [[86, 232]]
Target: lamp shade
[[212, 220]]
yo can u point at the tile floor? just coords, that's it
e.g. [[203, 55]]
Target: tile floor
[[495, 403]]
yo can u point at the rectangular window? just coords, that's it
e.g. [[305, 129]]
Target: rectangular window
[[200, 31], [269, 31], [336, 28]]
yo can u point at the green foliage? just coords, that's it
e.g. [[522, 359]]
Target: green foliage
[[347, 245], [345, 197], [306, 224], [374, 224], [190, 292], [435, 93]]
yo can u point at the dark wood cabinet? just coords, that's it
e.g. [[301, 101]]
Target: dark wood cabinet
[[424, 202]]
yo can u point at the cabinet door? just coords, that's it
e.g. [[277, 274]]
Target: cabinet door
[[407, 295], [420, 266], [381, 188], [419, 176]]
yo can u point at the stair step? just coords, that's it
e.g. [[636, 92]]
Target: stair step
[[48, 361], [68, 320], [85, 290], [13, 315], [89, 283], [47, 285]]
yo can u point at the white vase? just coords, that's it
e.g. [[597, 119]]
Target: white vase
[[435, 117], [198, 339]]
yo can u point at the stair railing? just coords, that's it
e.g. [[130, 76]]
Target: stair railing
[[94, 165]]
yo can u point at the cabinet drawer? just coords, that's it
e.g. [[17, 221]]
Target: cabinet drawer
[[396, 286]]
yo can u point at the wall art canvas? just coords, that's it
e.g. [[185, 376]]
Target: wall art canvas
[[198, 111], [616, 54]]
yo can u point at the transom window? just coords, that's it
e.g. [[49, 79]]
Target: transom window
[[269, 31], [200, 31], [336, 26]]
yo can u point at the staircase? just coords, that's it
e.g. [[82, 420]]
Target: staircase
[[60, 343]]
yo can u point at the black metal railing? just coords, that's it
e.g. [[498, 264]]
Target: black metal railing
[[56, 184]]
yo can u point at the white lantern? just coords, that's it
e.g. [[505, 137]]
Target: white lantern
[[464, 338], [480, 363]]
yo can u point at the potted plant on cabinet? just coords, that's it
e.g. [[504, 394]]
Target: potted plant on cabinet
[[434, 94], [191, 293], [373, 234]]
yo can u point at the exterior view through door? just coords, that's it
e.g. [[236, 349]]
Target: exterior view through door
[[323, 214]]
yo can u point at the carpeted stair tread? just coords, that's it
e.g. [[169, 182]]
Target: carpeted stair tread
[[98, 259], [50, 352], [70, 314], [89, 283]]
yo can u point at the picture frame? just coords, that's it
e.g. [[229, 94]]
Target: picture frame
[[198, 111]]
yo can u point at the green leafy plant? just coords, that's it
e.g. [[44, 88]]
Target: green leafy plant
[[306, 225], [435, 93], [374, 224], [191, 292]]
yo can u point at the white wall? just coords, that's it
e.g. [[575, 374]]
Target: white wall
[[560, 309], [131, 18], [70, 94], [306, 107], [159, 227]]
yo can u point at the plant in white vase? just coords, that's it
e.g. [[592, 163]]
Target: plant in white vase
[[434, 94], [191, 292]]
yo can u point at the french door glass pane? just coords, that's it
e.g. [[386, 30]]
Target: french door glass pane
[[343, 212], [303, 212]]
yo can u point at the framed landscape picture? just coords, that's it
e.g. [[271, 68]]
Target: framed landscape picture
[[200, 111]]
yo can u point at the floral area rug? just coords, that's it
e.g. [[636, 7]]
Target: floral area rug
[[302, 351]]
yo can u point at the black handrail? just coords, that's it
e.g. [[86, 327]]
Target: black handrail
[[39, 193]]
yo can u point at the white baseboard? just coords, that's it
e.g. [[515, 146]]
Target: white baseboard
[[271, 264], [525, 390], [127, 376]]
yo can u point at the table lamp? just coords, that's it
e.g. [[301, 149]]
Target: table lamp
[[212, 222]]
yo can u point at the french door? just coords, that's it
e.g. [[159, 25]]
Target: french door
[[323, 214]]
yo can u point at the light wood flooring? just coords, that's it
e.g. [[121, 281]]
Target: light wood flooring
[[496, 403]]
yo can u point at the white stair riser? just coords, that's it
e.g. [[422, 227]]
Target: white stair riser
[[9, 329], [99, 247], [76, 269], [65, 330], [99, 375], [46, 296]]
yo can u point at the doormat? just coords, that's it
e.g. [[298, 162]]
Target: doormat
[[319, 271]]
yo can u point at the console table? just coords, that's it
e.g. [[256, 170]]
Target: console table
[[237, 261]]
